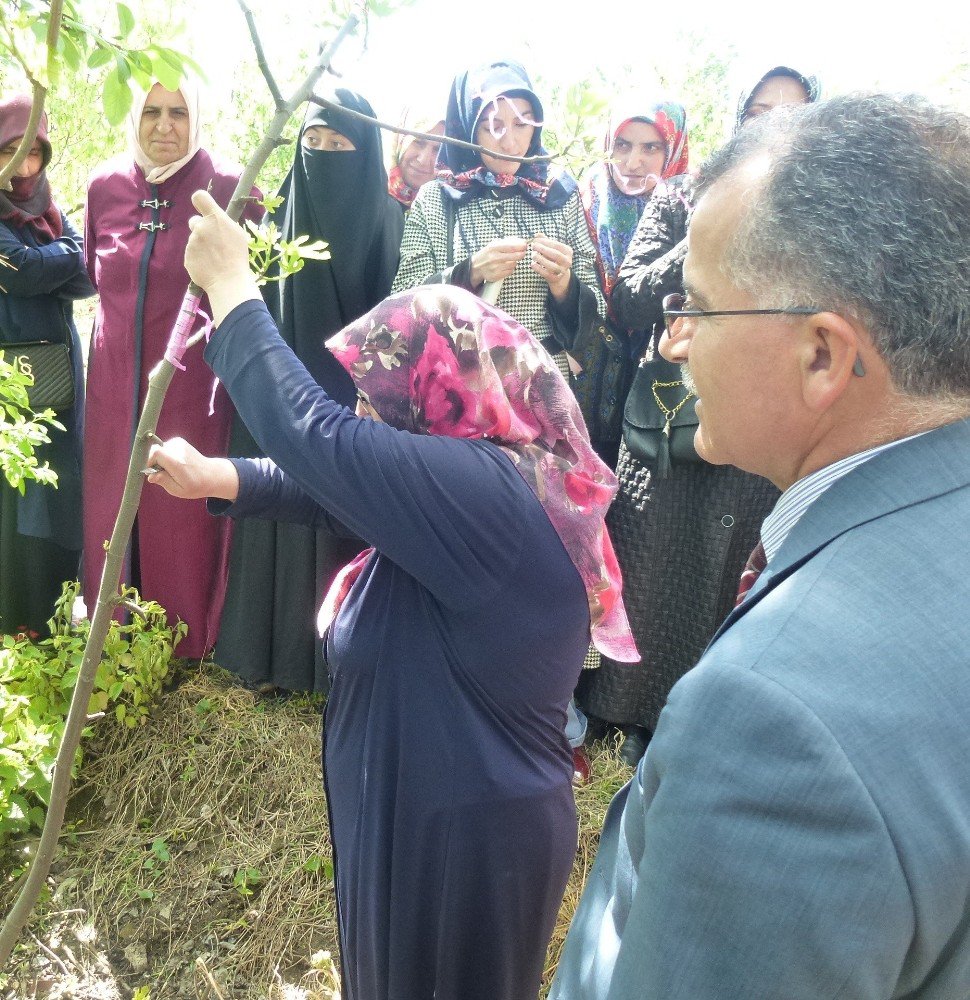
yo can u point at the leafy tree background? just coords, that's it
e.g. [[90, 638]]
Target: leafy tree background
[[690, 63]]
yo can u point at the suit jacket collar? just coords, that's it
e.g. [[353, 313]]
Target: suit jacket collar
[[930, 465]]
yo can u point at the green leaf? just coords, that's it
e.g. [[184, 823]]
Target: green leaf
[[116, 98], [160, 850], [70, 51], [126, 20], [121, 61], [168, 72], [101, 56]]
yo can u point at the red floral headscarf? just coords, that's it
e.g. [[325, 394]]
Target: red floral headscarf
[[438, 360]]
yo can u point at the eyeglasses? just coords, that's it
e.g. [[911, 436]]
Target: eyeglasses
[[673, 310]]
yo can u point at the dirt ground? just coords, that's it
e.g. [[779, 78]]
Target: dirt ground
[[196, 860]]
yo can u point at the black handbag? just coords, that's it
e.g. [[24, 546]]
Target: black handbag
[[659, 419], [49, 365]]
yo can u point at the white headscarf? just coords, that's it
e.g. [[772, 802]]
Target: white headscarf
[[189, 90]]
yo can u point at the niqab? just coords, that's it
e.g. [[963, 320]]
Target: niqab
[[340, 198]]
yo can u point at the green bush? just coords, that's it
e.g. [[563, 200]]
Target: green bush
[[37, 678], [22, 432]]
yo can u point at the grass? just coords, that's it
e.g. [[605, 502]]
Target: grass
[[197, 859]]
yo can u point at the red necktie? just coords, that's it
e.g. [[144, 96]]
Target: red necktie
[[752, 570]]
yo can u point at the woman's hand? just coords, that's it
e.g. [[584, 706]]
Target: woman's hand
[[190, 475], [553, 262], [497, 260], [217, 257]]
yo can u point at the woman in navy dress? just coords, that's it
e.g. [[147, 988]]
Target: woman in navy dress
[[40, 531], [455, 642]]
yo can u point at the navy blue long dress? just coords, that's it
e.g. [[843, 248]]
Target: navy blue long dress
[[452, 660]]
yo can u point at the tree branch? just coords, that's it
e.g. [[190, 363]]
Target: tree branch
[[445, 140], [283, 114], [39, 95], [260, 55]]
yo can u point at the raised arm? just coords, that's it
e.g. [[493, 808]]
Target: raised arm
[[428, 503]]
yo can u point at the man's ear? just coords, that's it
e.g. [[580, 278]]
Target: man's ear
[[830, 350]]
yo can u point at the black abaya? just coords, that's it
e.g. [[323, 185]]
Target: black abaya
[[279, 573]]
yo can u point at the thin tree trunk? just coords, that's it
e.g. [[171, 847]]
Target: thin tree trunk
[[108, 596]]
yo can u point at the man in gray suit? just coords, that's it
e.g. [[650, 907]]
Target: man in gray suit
[[800, 826]]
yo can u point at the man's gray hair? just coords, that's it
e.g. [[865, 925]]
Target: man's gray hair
[[864, 210]]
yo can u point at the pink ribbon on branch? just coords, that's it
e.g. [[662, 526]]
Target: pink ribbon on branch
[[179, 338]]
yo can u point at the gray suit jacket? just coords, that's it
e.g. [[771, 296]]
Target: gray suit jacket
[[799, 828]]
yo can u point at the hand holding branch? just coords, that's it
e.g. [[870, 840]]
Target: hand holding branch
[[217, 257], [188, 474]]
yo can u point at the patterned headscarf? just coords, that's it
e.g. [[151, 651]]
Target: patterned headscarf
[[611, 215], [154, 174], [461, 170], [29, 202], [438, 360], [397, 187], [812, 85]]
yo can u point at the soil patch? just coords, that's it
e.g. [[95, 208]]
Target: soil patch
[[196, 862]]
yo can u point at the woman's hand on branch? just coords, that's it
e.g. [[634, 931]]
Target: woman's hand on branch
[[553, 262], [217, 257], [187, 473], [497, 260]]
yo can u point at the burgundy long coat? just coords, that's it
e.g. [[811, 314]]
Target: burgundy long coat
[[134, 242]]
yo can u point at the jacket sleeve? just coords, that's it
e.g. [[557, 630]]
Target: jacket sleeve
[[79, 286], [764, 868], [447, 511], [580, 318], [267, 493], [654, 262], [90, 244], [424, 246], [43, 270]]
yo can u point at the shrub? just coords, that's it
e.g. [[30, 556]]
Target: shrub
[[37, 678]]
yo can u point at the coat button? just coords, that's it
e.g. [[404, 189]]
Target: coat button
[[727, 521]]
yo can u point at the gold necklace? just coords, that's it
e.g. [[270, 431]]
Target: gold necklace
[[669, 414]]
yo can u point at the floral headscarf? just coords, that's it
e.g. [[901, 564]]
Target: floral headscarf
[[397, 187], [461, 170], [438, 360], [29, 202], [611, 215]]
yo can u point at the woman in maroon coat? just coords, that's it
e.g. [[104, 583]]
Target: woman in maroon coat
[[135, 234]]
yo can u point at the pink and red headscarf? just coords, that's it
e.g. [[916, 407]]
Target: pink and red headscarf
[[438, 360]]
